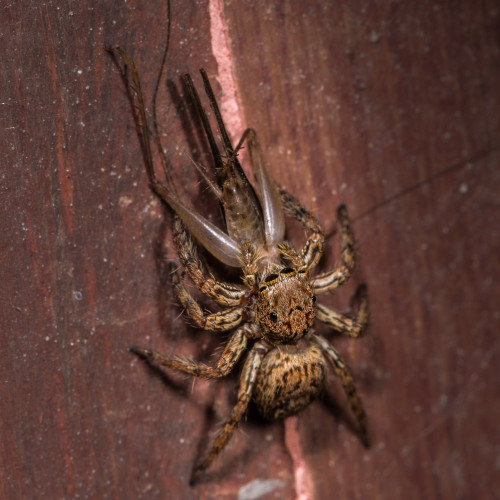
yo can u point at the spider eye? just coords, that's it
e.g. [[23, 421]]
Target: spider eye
[[314, 298], [287, 270], [273, 316], [270, 277]]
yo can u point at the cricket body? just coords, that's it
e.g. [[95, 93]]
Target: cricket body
[[271, 313]]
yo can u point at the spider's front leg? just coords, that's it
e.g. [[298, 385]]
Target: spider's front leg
[[221, 321], [313, 248], [342, 371], [223, 293], [354, 327], [333, 279], [247, 382]]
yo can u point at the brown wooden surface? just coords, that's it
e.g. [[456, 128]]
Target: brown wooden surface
[[393, 109]]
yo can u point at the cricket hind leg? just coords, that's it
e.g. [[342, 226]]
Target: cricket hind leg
[[210, 236], [137, 102]]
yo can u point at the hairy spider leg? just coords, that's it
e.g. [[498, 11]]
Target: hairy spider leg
[[220, 321], [343, 372], [313, 249], [247, 382], [354, 327], [232, 352], [333, 279], [221, 292]]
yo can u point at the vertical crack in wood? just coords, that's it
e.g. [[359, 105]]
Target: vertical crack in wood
[[303, 481], [229, 102]]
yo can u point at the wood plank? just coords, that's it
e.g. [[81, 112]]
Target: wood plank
[[392, 109]]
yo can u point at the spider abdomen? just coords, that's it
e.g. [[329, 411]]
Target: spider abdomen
[[290, 377]]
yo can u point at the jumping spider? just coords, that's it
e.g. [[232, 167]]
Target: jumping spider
[[272, 313]]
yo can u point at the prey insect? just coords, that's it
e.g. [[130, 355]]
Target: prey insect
[[271, 313]]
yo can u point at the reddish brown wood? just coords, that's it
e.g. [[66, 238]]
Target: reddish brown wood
[[391, 109]]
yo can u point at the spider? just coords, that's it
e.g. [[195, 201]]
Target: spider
[[271, 313]]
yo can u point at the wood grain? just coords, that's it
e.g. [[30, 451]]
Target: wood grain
[[391, 108]]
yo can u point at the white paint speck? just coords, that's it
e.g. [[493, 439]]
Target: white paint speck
[[258, 488]]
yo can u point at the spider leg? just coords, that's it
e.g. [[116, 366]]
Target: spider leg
[[223, 293], [313, 248], [232, 352], [342, 371], [354, 327], [222, 321], [333, 279], [249, 257], [247, 381]]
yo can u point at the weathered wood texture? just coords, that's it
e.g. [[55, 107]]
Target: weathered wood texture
[[393, 109]]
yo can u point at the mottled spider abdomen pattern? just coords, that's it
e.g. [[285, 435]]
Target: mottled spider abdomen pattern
[[290, 377]]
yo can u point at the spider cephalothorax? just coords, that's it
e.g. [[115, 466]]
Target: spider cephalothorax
[[285, 306], [271, 313]]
